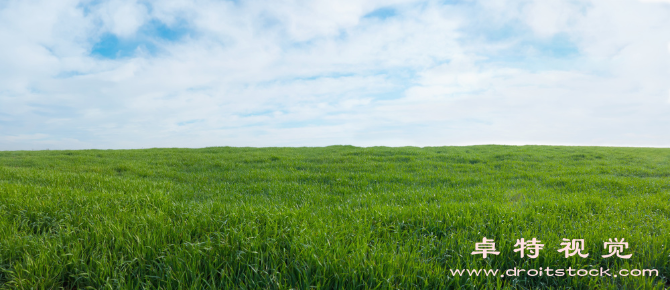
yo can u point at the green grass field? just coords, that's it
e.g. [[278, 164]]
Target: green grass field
[[338, 217]]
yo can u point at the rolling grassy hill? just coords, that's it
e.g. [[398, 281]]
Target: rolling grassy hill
[[338, 217]]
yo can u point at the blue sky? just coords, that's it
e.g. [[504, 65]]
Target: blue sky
[[173, 73]]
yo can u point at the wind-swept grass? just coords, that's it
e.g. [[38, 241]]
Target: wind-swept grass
[[339, 217]]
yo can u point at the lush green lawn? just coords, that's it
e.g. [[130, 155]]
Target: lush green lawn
[[328, 218]]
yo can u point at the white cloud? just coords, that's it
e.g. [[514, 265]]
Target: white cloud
[[121, 17], [548, 17], [273, 73]]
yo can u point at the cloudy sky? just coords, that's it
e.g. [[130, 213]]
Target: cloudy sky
[[176, 73]]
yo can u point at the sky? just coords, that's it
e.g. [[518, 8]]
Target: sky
[[122, 74]]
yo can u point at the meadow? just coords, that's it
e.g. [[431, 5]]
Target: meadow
[[337, 217]]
